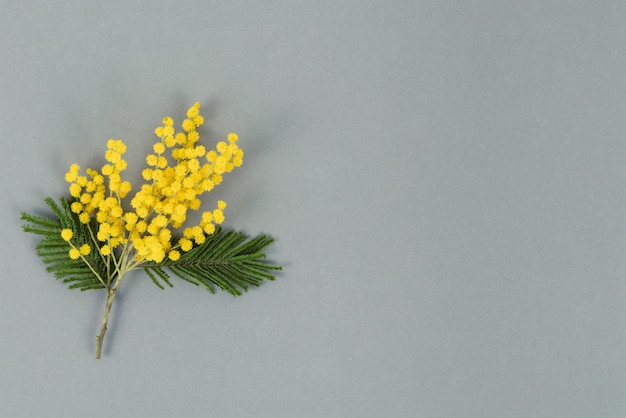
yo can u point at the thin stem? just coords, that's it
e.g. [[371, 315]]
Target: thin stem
[[107, 310], [93, 270], [105, 320]]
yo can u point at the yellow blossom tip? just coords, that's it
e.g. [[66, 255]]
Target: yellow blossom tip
[[193, 110]]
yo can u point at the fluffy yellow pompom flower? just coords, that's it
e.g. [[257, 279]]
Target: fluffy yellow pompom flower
[[209, 229], [188, 125], [76, 207], [67, 234], [72, 174], [75, 190], [107, 169], [218, 216], [159, 148], [74, 253], [152, 160], [84, 249], [185, 244]]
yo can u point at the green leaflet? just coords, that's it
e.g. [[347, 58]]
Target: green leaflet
[[226, 260], [54, 251]]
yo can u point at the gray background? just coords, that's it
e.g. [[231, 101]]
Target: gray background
[[445, 180]]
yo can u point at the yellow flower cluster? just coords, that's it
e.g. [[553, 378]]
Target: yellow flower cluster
[[173, 186]]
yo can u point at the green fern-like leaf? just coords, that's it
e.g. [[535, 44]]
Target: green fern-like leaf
[[54, 251], [229, 261]]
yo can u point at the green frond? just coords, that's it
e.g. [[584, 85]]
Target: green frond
[[54, 251], [155, 273], [67, 218], [40, 225], [230, 261]]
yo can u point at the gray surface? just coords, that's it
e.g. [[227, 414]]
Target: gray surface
[[445, 180]]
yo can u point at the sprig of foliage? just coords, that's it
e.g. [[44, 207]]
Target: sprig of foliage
[[94, 239]]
